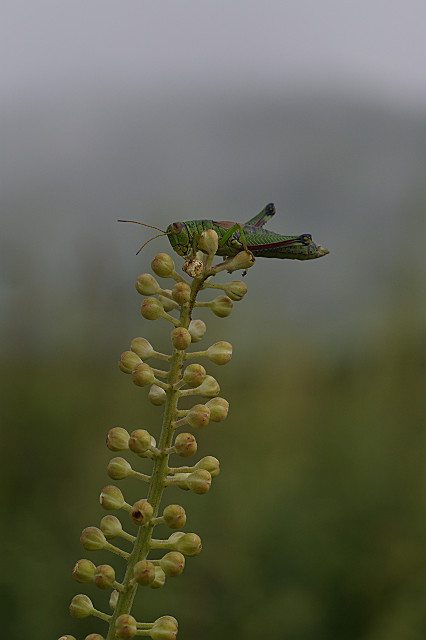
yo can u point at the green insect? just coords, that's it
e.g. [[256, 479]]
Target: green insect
[[235, 237]]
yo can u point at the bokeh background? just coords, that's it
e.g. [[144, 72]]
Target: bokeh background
[[316, 527]]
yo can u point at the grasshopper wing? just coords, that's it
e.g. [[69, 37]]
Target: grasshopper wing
[[263, 217]]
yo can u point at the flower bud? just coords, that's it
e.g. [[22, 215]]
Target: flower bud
[[194, 268], [156, 395], [104, 576], [199, 481], [125, 627], [81, 606], [141, 512], [198, 416], [177, 535], [218, 409], [180, 479], [84, 571], [172, 564], [220, 352], [243, 260], [162, 619], [193, 375], [181, 293], [118, 468], [117, 439], [92, 539], [143, 375], [113, 599], [142, 348], [67, 637], [128, 361], [111, 526], [147, 285], [236, 290], [159, 580], [174, 516], [164, 630], [144, 572], [210, 464], [140, 441], [167, 301], [185, 445], [94, 636], [152, 309], [189, 544], [209, 241], [221, 306], [181, 338], [162, 265], [197, 329], [208, 388], [111, 498]]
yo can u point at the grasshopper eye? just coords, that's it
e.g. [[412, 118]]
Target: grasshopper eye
[[306, 238], [176, 227]]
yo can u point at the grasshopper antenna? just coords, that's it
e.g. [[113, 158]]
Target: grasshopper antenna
[[163, 233]]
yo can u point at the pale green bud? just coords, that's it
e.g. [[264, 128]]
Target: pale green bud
[[181, 293], [92, 539], [118, 468], [81, 606], [152, 309], [181, 480], [111, 498], [218, 409], [197, 329], [167, 300], [113, 599], [189, 544], [117, 439], [143, 375], [140, 441], [209, 387], [157, 396], [144, 572], [162, 265], [94, 636], [142, 348], [193, 375], [163, 631], [209, 241], [198, 416], [181, 338], [67, 637], [141, 512], [221, 306], [199, 481], [236, 290], [177, 535], [210, 464], [147, 285], [128, 361], [243, 260], [168, 618], [172, 564], [125, 627], [84, 571], [174, 516], [185, 445], [159, 580], [111, 526], [220, 352], [104, 576]]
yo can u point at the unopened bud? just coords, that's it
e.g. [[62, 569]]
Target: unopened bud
[[198, 416], [243, 260], [159, 580], [92, 539], [185, 445], [197, 329], [117, 439], [104, 576], [220, 352], [84, 571], [181, 338], [111, 498], [147, 285], [140, 441], [128, 361], [209, 241], [167, 301], [172, 564], [141, 512], [152, 309], [218, 409], [164, 630], [236, 290], [194, 268], [142, 348], [209, 387], [156, 395], [180, 479], [193, 375], [144, 572], [199, 481], [181, 293], [174, 516], [162, 265], [143, 375], [118, 468], [210, 464], [113, 599], [81, 606], [111, 526], [125, 627], [189, 544], [94, 636], [221, 306], [67, 637]]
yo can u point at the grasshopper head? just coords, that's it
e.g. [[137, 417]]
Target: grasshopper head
[[179, 238]]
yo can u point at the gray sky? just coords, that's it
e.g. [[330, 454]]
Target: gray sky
[[378, 44]]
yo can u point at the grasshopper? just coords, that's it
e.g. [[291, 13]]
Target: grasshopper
[[235, 237]]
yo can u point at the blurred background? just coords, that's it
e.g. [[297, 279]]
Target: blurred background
[[158, 112]]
